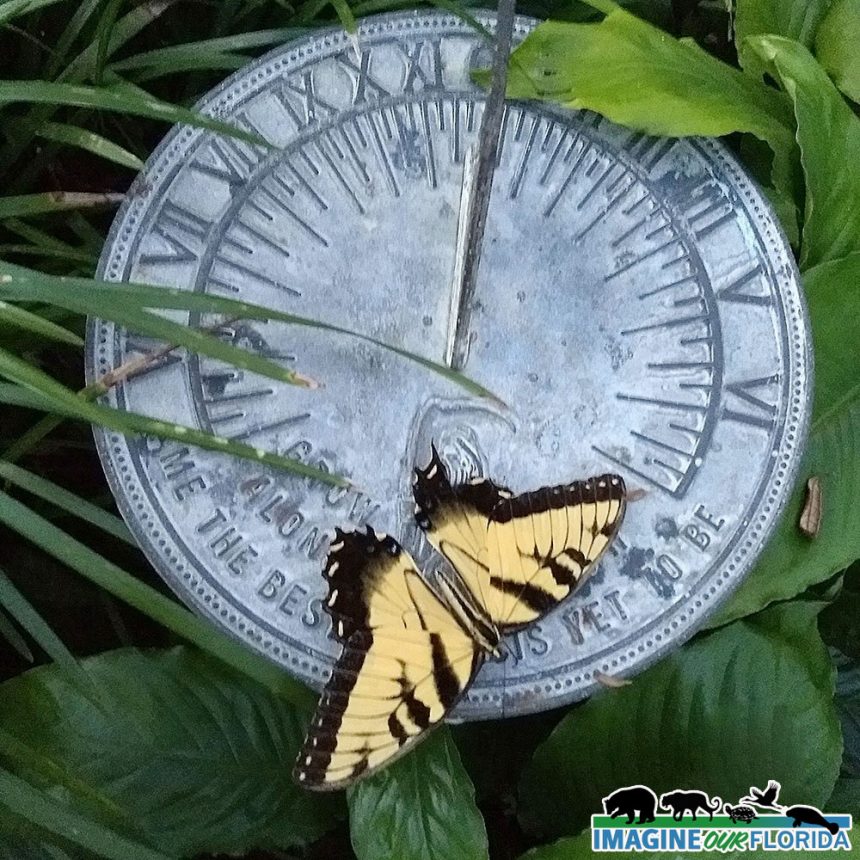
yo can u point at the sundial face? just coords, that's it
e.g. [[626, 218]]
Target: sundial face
[[637, 308]]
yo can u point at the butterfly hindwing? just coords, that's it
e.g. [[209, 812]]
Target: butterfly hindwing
[[405, 662], [543, 544], [520, 555]]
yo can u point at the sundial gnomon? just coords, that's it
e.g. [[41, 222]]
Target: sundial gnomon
[[636, 307]]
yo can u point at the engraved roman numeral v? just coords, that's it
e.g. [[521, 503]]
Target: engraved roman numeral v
[[738, 396]]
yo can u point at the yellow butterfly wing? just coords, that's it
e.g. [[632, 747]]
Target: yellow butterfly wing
[[405, 662], [519, 556]]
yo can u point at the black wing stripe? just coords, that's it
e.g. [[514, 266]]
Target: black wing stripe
[[447, 686], [532, 595]]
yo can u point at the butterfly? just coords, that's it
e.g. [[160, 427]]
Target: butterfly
[[411, 651]]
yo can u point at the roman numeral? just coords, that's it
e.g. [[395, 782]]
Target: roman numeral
[[737, 290], [183, 230], [364, 82], [229, 159], [705, 205], [311, 108], [739, 396], [430, 79]]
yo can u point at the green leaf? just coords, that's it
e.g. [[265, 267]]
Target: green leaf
[[15, 8], [91, 142], [197, 756], [141, 321], [121, 584], [641, 77], [829, 137], [420, 808], [848, 706], [836, 46], [9, 632], [36, 324], [109, 99], [70, 502], [36, 390], [17, 282], [24, 613], [54, 201], [795, 19], [792, 562], [739, 706], [53, 815], [846, 798]]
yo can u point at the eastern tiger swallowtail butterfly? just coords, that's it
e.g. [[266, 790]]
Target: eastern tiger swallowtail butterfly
[[409, 651]]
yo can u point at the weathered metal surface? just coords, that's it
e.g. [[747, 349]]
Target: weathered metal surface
[[637, 307]]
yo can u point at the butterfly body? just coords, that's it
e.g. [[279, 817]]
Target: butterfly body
[[410, 651]]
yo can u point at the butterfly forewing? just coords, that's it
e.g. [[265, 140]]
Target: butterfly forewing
[[404, 664], [520, 556]]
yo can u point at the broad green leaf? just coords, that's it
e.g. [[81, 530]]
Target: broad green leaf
[[846, 798], [422, 807], [795, 19], [55, 816], [837, 46], [38, 325], [848, 706], [91, 142], [104, 98], [829, 136], [734, 708], [17, 282], [792, 562], [122, 585], [639, 76], [54, 201], [840, 622], [197, 756]]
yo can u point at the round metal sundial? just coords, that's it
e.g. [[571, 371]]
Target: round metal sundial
[[636, 306]]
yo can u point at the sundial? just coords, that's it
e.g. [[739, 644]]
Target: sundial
[[636, 308]]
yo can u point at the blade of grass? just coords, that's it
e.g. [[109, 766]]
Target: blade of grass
[[44, 253], [23, 612], [203, 63], [165, 611], [42, 393], [50, 814], [10, 633], [45, 240], [165, 57], [20, 318], [54, 201], [92, 238], [19, 283], [144, 322], [69, 502], [91, 142], [48, 92], [105, 35], [20, 137], [16, 8]]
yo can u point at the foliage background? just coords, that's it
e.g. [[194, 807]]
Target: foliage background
[[129, 729]]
